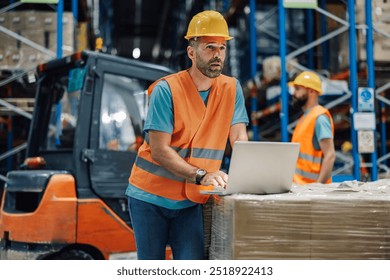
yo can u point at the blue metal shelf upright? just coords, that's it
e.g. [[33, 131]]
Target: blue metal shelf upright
[[346, 26]]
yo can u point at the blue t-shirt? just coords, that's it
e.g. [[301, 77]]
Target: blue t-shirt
[[160, 118], [323, 130]]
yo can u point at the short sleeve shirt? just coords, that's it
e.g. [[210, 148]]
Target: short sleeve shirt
[[160, 118], [160, 112], [323, 130]]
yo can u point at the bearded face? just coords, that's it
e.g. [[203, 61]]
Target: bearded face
[[212, 68], [299, 102]]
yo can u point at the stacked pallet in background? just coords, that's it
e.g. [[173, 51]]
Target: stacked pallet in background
[[339, 45], [337, 221], [39, 27], [381, 25]]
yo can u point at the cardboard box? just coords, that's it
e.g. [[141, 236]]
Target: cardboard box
[[15, 21], [338, 10], [4, 20], [380, 11], [2, 58], [250, 227], [38, 27], [381, 43], [311, 222], [338, 48]]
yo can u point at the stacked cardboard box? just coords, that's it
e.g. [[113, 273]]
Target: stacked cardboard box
[[381, 23], [311, 222], [38, 27], [339, 45], [380, 11]]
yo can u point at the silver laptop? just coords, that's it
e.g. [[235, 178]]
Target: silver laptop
[[260, 168]]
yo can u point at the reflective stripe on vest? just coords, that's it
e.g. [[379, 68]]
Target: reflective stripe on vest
[[196, 153], [309, 159], [302, 173], [162, 172], [199, 136]]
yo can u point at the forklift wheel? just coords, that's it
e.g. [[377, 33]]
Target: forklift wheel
[[73, 254]]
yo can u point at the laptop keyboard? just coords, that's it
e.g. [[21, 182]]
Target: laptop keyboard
[[219, 188]]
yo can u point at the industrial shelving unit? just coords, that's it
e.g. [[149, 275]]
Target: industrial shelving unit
[[287, 51], [22, 106], [346, 26]]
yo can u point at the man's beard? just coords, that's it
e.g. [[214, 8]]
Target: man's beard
[[298, 103], [205, 69]]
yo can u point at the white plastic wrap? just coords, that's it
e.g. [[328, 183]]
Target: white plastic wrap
[[350, 220]]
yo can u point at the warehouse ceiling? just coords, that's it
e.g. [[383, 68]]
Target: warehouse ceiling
[[145, 24], [153, 27]]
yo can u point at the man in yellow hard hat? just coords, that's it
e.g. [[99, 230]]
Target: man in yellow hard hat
[[314, 132], [192, 114]]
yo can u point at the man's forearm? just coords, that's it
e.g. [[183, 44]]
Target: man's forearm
[[173, 162], [326, 169]]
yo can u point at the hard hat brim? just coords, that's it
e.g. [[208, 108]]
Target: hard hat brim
[[227, 38], [292, 84]]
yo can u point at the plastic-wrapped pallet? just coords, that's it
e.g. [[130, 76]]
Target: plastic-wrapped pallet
[[337, 221]]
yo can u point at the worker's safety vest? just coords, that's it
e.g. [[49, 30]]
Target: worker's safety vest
[[199, 136], [309, 160]]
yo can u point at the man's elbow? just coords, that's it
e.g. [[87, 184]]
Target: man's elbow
[[156, 155]]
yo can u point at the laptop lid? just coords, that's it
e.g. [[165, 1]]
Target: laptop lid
[[261, 167]]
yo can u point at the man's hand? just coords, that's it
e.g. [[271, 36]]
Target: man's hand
[[217, 178]]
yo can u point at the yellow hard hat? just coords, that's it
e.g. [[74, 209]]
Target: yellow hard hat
[[208, 23], [346, 146], [309, 80], [99, 44]]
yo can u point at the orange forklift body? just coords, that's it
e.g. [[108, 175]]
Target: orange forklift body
[[86, 127], [60, 197]]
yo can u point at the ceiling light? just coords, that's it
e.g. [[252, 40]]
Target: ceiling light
[[136, 53]]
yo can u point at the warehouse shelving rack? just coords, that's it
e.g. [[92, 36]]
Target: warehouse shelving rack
[[346, 26], [12, 107], [351, 96], [381, 162]]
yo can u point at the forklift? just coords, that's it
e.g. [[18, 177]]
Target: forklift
[[67, 201]]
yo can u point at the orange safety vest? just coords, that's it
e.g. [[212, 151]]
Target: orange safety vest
[[309, 159], [199, 136]]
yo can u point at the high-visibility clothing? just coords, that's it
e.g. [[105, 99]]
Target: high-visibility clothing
[[199, 136], [309, 160]]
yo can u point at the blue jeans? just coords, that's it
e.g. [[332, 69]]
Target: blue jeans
[[155, 227]]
